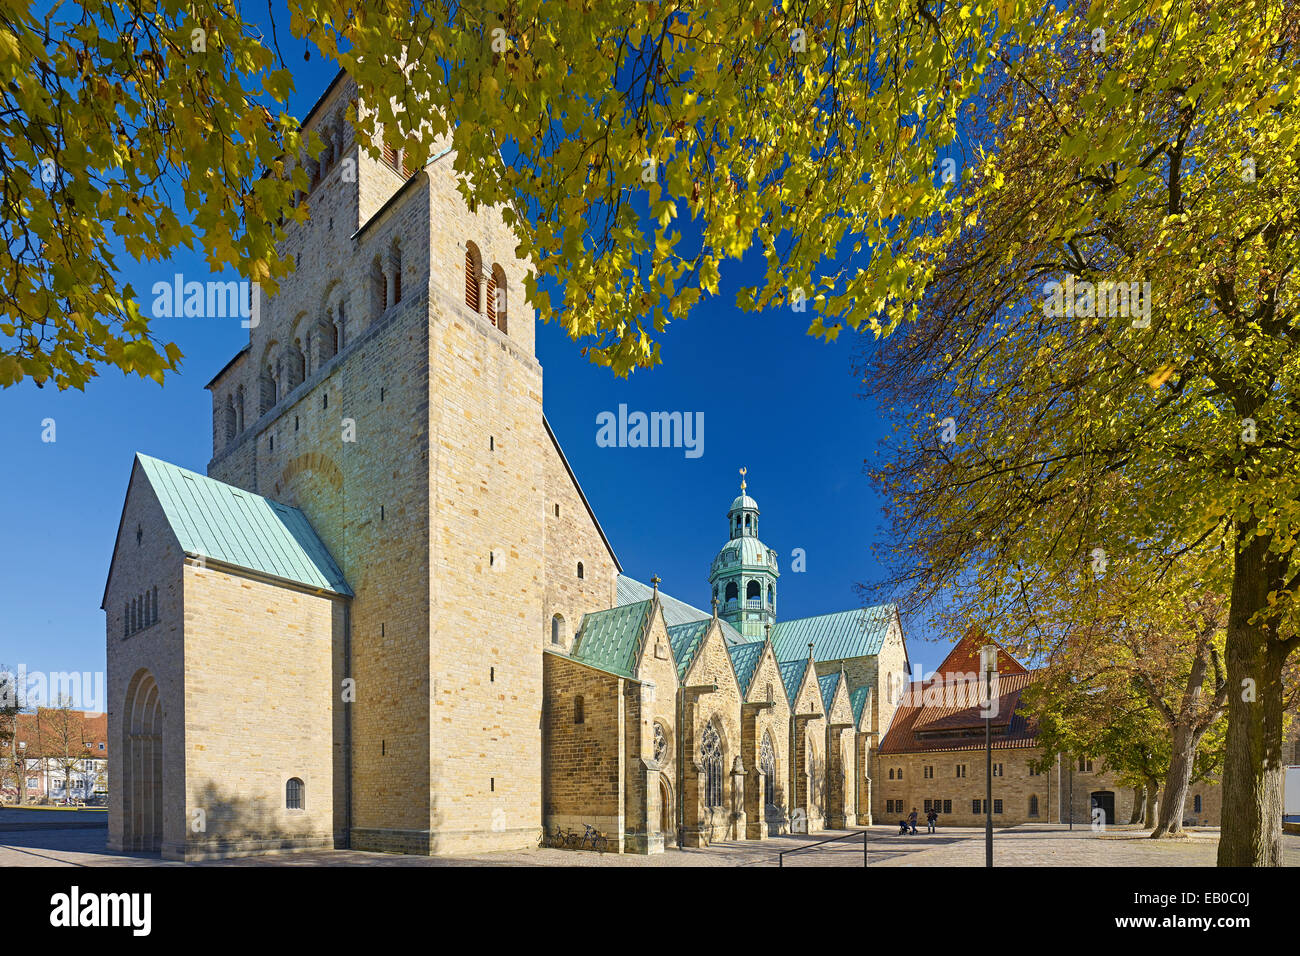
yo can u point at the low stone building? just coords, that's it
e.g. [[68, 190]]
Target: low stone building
[[933, 755]]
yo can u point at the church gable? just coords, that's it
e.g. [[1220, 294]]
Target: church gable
[[655, 662], [711, 664], [835, 698]]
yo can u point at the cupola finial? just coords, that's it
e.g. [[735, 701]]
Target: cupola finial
[[743, 472]]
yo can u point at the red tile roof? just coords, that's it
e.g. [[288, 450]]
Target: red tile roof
[[946, 712], [45, 735]]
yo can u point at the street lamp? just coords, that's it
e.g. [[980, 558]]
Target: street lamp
[[989, 665]]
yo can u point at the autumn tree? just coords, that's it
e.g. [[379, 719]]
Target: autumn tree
[[1138, 679], [1103, 367]]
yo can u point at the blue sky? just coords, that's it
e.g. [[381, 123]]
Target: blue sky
[[774, 400]]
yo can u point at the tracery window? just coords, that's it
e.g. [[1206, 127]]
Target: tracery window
[[660, 744], [767, 763], [711, 759]]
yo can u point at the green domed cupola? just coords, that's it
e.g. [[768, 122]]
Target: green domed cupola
[[744, 573]]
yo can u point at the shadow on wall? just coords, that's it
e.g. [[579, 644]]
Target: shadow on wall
[[231, 821]]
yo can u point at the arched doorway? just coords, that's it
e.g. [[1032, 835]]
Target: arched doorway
[[666, 813], [142, 766]]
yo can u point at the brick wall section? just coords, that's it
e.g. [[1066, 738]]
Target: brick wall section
[[571, 536], [583, 784], [155, 561], [259, 710]]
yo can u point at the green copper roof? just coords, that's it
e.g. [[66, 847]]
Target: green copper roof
[[686, 640], [744, 659], [858, 700], [837, 636], [743, 503], [792, 677], [236, 527], [827, 684], [675, 611], [748, 551], [609, 639]]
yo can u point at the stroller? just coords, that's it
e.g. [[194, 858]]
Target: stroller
[[902, 828]]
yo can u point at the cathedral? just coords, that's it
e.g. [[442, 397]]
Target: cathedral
[[387, 618]]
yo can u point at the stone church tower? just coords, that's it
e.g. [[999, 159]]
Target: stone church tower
[[390, 398]]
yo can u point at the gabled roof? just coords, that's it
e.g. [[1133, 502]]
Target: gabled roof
[[686, 640], [964, 658], [792, 677], [827, 684], [858, 701], [610, 640], [946, 712], [675, 611], [231, 526], [744, 660], [837, 636]]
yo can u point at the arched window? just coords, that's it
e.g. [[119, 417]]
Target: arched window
[[557, 630], [293, 794], [746, 522], [891, 773], [268, 391], [490, 295], [579, 716], [733, 592], [711, 760], [753, 591], [497, 297], [297, 365], [378, 287], [395, 264], [473, 270], [580, 574], [767, 763], [1033, 805], [771, 595]]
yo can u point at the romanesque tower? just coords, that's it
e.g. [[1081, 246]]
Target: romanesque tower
[[744, 573], [390, 391]]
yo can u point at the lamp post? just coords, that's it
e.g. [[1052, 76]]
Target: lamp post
[[989, 664]]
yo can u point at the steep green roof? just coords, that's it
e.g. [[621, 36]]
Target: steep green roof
[[745, 658], [227, 524], [609, 640], [858, 700], [792, 677], [836, 636], [827, 684], [686, 640], [675, 611]]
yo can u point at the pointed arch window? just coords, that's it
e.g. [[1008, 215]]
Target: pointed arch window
[[767, 763], [711, 761]]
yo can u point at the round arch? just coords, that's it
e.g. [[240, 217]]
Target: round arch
[[142, 765]]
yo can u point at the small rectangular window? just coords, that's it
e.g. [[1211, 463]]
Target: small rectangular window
[[974, 806], [997, 806]]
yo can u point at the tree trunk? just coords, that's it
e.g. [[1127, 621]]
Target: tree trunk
[[1136, 816], [1173, 797], [1251, 833], [1153, 791]]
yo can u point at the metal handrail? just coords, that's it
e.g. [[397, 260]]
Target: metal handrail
[[780, 857]]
